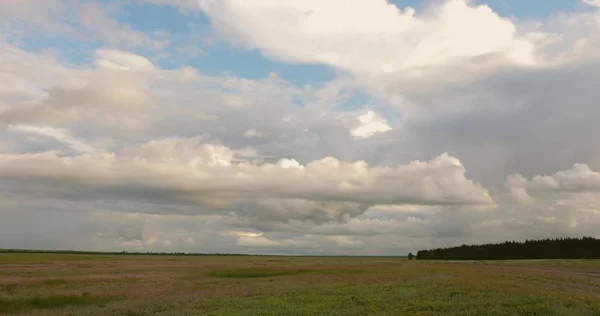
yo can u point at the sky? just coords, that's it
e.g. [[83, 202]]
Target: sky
[[339, 127]]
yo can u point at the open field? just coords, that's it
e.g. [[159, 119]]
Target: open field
[[62, 284]]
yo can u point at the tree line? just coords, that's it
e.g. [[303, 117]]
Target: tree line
[[551, 248], [82, 252]]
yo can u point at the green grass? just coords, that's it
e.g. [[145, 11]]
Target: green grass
[[8, 288], [19, 305], [55, 281], [15, 258], [401, 299]]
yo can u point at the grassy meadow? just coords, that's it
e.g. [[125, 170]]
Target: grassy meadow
[[79, 284]]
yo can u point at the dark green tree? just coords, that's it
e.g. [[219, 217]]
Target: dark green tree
[[552, 248]]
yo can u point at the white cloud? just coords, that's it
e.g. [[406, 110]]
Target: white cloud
[[97, 20], [119, 60], [369, 36], [184, 5], [82, 21], [55, 133], [25, 16], [369, 124], [39, 87], [256, 241], [289, 163], [398, 53], [191, 172], [521, 196], [579, 179], [26, 75], [252, 133], [593, 3], [260, 241]]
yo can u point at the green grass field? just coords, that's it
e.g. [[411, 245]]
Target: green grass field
[[65, 284]]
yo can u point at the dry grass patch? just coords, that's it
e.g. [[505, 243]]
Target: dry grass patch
[[254, 273]]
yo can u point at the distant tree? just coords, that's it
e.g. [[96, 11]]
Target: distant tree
[[556, 248], [410, 256]]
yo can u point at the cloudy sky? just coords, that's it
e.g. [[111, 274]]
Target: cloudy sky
[[363, 127]]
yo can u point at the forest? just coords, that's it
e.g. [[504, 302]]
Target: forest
[[551, 248]]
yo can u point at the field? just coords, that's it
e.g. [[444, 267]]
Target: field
[[65, 284]]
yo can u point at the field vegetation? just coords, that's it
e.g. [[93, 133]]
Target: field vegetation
[[104, 284]]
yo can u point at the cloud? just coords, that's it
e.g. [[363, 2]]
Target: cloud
[[77, 20], [120, 60], [247, 240], [253, 133], [284, 210], [579, 179], [123, 148], [95, 18], [344, 35], [27, 16], [187, 171], [254, 240], [369, 124], [449, 44], [54, 133], [103, 98], [26, 75], [103, 95], [513, 121], [185, 6], [593, 3]]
